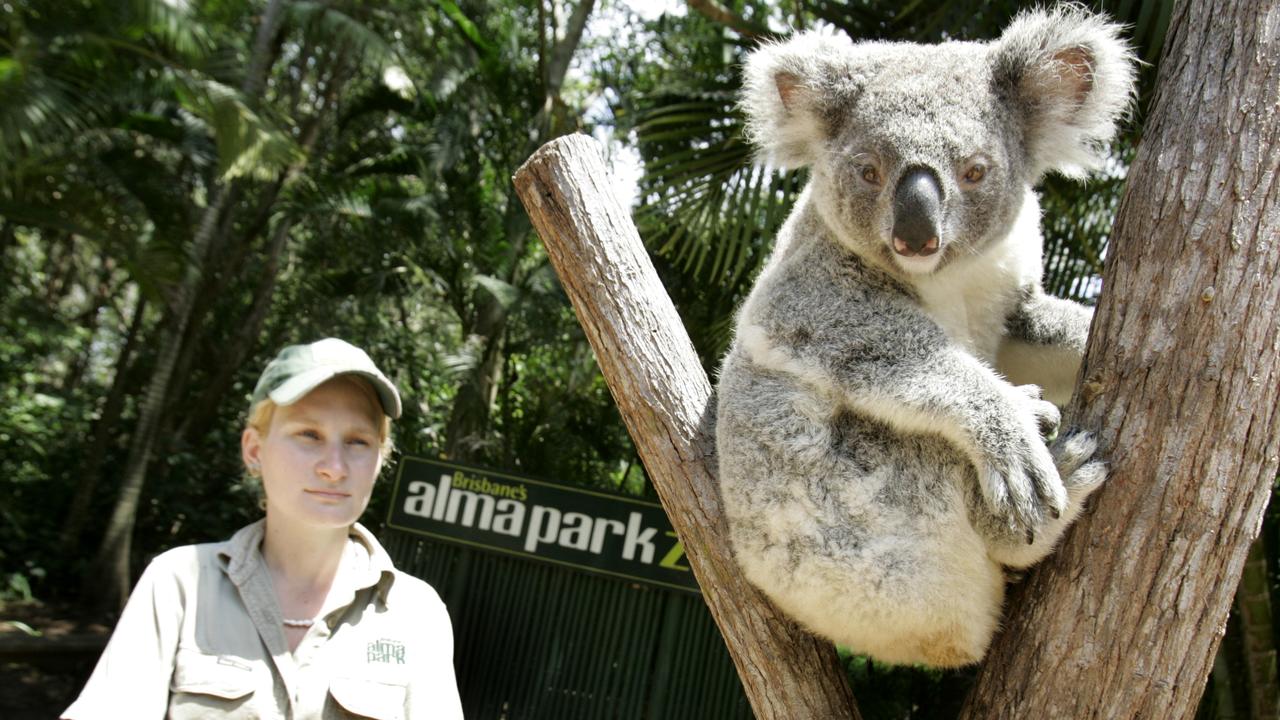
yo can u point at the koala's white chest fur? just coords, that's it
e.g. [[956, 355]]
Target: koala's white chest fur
[[970, 297], [970, 307], [964, 307]]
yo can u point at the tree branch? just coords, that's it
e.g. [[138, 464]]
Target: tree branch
[[558, 64], [713, 10], [665, 399]]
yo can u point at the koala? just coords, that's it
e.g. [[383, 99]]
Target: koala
[[883, 410]]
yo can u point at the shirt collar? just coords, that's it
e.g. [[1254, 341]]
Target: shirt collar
[[241, 557], [378, 570]]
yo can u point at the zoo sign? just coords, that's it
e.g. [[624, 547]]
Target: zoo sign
[[601, 532]]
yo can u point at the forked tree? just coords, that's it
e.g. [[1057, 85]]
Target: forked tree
[[1180, 382]]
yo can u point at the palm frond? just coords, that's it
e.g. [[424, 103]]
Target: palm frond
[[706, 206], [328, 26], [1077, 228], [167, 29], [249, 145], [466, 358], [330, 200], [501, 291]]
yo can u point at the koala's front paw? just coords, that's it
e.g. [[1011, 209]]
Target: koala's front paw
[[1020, 479], [1081, 473]]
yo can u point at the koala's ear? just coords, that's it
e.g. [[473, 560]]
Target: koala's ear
[[786, 87], [1069, 77]]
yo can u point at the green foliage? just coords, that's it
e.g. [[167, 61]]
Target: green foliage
[[399, 232], [885, 691], [248, 145]]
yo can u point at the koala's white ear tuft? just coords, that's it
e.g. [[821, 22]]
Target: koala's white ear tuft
[[1069, 77], [783, 93]]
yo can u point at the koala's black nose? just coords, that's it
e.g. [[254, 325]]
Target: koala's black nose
[[917, 212]]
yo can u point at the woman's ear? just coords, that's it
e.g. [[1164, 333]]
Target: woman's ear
[[251, 450]]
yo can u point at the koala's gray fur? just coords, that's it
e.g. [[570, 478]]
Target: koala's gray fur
[[881, 459]]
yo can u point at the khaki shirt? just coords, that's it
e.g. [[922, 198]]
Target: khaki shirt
[[202, 636]]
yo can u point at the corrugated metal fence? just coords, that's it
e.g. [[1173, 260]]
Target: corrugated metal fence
[[534, 641]]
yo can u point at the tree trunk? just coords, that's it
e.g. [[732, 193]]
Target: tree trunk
[[103, 428], [8, 239], [1222, 693], [89, 320], [1181, 381], [197, 421], [109, 581], [665, 398], [468, 427]]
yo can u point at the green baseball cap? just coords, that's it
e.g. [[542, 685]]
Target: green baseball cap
[[299, 369]]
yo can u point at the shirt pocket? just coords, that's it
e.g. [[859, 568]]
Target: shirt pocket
[[205, 685], [362, 697]]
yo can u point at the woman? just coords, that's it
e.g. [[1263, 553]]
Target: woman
[[300, 614]]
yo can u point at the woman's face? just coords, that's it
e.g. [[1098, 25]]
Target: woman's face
[[320, 456]]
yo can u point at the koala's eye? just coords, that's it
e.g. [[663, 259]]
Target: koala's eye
[[871, 175], [975, 173]]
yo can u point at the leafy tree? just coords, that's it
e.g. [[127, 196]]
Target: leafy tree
[[272, 174]]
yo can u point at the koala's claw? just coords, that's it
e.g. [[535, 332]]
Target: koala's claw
[[1032, 391], [1047, 415], [1072, 450], [1022, 491], [1039, 483], [1073, 454], [1023, 481]]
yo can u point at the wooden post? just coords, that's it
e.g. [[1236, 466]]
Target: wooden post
[[665, 399]]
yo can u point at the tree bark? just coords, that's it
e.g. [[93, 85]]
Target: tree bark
[[100, 293], [467, 431], [8, 239], [665, 399], [196, 418], [1180, 380], [199, 418]]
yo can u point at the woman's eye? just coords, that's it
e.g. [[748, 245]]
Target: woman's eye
[[359, 441], [309, 434], [871, 175]]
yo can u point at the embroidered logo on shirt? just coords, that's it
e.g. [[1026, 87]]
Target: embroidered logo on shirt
[[385, 651]]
